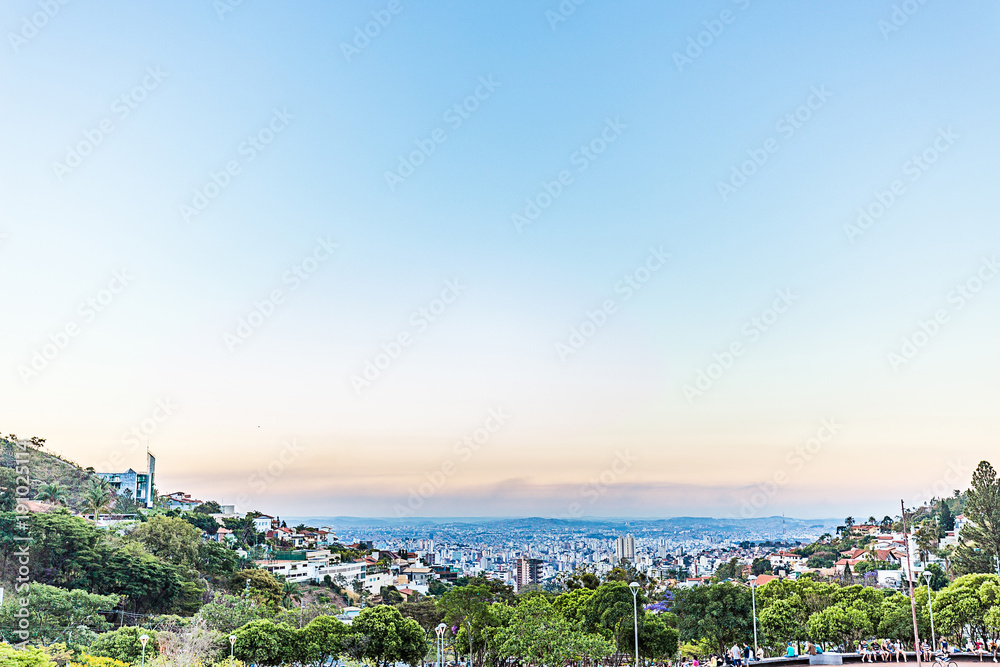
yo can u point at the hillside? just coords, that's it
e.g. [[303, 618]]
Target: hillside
[[45, 467]]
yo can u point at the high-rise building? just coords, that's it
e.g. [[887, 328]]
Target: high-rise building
[[625, 548], [529, 571]]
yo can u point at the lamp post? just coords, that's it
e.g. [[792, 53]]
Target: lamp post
[[142, 640], [753, 600], [440, 643], [469, 626], [635, 617], [928, 575], [232, 647]]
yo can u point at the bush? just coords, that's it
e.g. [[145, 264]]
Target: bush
[[123, 644], [28, 657]]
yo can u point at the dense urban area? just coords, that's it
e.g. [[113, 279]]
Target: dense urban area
[[101, 570]]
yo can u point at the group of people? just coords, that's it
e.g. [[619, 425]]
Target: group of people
[[885, 650]]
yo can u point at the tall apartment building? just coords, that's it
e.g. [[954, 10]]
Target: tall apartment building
[[529, 571], [625, 548]]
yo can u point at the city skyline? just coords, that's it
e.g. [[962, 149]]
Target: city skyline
[[506, 260]]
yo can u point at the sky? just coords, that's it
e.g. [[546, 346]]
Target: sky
[[566, 259]]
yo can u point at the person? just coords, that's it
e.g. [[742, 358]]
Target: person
[[790, 652], [898, 650], [734, 652], [925, 650], [747, 654], [810, 648]]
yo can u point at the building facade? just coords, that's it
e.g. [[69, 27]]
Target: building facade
[[135, 485]]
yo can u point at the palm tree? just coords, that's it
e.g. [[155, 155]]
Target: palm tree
[[849, 521], [872, 521], [52, 492], [825, 536], [289, 593], [886, 522], [97, 498]]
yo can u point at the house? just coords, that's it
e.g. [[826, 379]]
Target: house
[[178, 500], [263, 523], [131, 484]]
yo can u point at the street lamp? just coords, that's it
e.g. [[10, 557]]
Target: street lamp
[[753, 599], [440, 643], [232, 646], [635, 617], [142, 640], [468, 625], [928, 575]]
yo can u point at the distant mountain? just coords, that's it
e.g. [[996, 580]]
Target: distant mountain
[[773, 525]]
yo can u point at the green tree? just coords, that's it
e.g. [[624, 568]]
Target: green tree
[[425, 612], [124, 644], [324, 639], [609, 613], [761, 566], [56, 611], [210, 507], [290, 593], [839, 623], [657, 640], [961, 608], [97, 498], [780, 622], [263, 585], [979, 542], [226, 613], [263, 642], [730, 570], [170, 538], [390, 637], [539, 635], [216, 560], [52, 492], [720, 613]]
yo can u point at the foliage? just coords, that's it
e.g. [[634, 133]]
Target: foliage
[[391, 638], [540, 635], [979, 546], [171, 539], [56, 611], [720, 613], [226, 613], [263, 585], [27, 657], [124, 644]]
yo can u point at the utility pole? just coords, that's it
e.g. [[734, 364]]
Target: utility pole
[[909, 579]]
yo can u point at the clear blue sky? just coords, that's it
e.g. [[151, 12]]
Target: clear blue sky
[[671, 134]]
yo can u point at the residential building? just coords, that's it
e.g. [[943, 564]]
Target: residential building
[[135, 485], [528, 571]]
